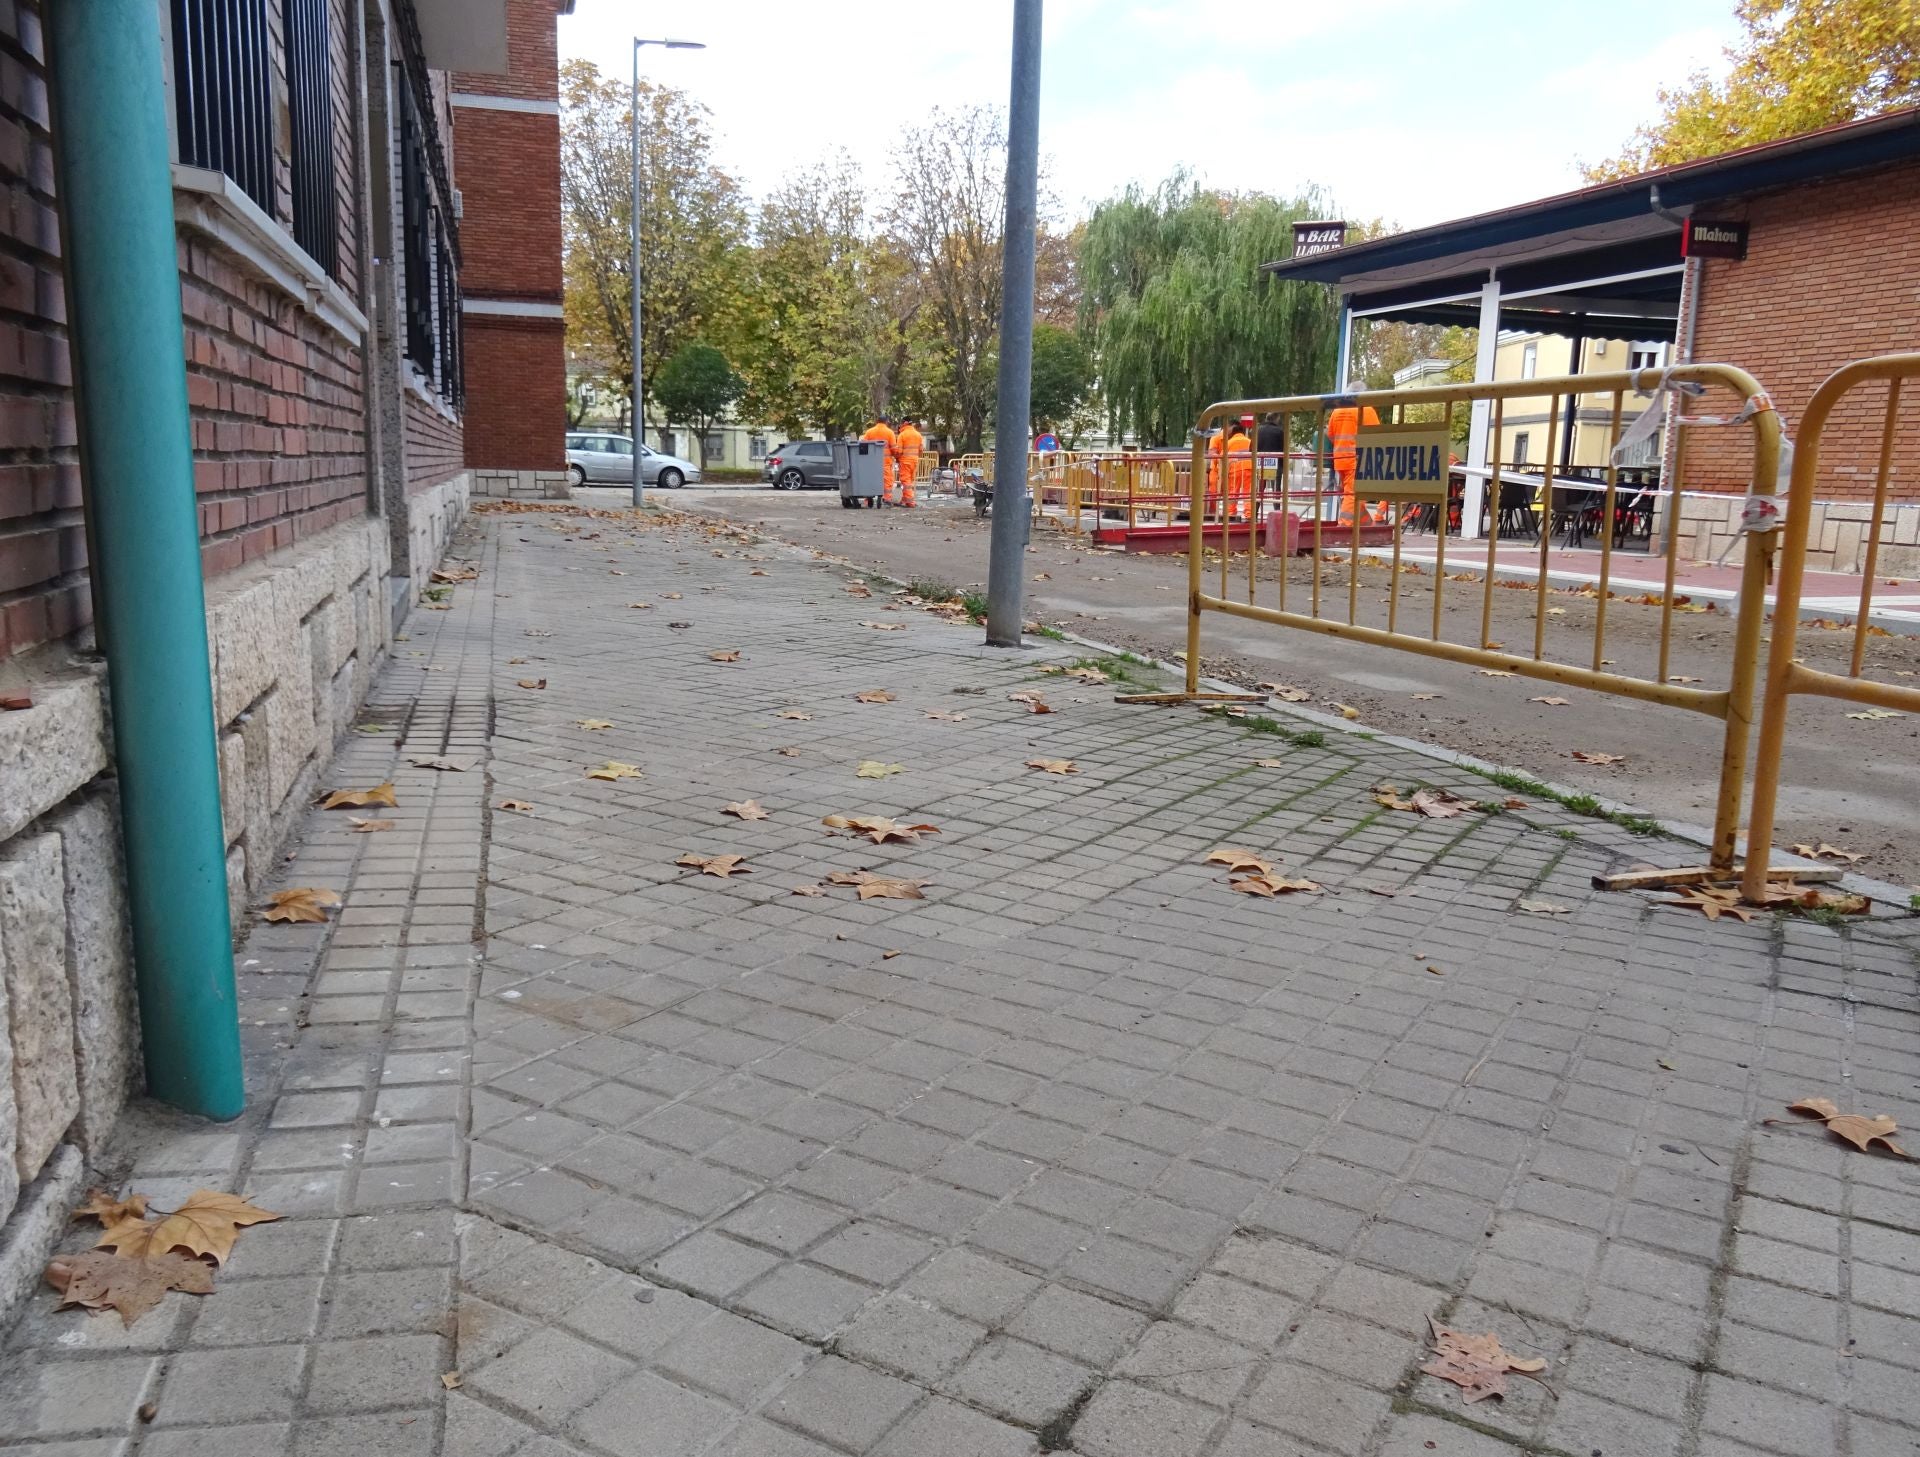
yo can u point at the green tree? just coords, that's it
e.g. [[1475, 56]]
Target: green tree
[[1062, 375], [1800, 65], [693, 223], [696, 387], [1179, 314]]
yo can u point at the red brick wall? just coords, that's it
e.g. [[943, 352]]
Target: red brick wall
[[510, 203], [433, 444], [509, 425], [43, 552], [279, 434], [1832, 274], [533, 56]]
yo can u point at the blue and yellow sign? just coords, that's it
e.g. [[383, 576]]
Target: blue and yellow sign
[[1402, 462]]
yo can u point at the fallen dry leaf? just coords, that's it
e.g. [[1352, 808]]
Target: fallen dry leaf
[[1552, 701], [944, 717], [452, 766], [1824, 851], [725, 655], [879, 828], [305, 903], [746, 809], [886, 626], [530, 683], [1682, 678], [1031, 701], [1856, 1128], [1710, 901], [1345, 710], [1874, 714], [1087, 675], [870, 695], [360, 798], [852, 589], [100, 1280], [1493, 673], [640, 606], [788, 753], [879, 887], [1478, 1365], [809, 890], [593, 725], [1269, 763], [1272, 885], [1285, 692], [106, 1209], [668, 596], [516, 806], [1545, 908], [720, 865], [793, 713], [368, 827], [452, 1380], [1590, 756], [614, 769], [206, 1224], [457, 574], [874, 769], [1236, 860], [1424, 697], [1054, 766], [1433, 804]]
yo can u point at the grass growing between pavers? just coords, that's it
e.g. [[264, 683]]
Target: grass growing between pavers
[[1585, 805]]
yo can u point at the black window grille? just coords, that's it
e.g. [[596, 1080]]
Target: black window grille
[[419, 230], [451, 377], [220, 69], [310, 95]]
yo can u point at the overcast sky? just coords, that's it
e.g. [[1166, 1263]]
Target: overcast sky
[[1414, 111]]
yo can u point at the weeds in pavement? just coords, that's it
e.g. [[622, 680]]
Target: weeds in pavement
[[1913, 902], [1043, 631], [1580, 804], [976, 605], [1118, 667], [934, 591], [1826, 916], [1299, 738]]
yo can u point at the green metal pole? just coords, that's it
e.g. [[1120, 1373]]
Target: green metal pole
[[136, 456]]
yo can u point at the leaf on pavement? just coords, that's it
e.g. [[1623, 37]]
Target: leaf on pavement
[[1030, 700], [879, 828], [101, 1280], [1424, 697], [943, 716], [720, 865], [452, 766], [1237, 860], [304, 903], [1433, 804], [1592, 756], [668, 596], [1681, 678], [1552, 701], [886, 626], [809, 890], [788, 753], [457, 574], [360, 798], [1087, 675], [593, 725], [1856, 1128], [799, 713], [1269, 763], [207, 1224], [1874, 714], [1285, 692], [679, 626], [452, 1380], [725, 655], [1710, 901], [1054, 766], [852, 589], [1345, 710], [1478, 1365], [879, 887], [1494, 673], [874, 769], [1545, 908], [640, 606], [746, 809], [516, 806], [103, 1207], [1270, 885], [1824, 851], [614, 769], [872, 695], [368, 827], [530, 682]]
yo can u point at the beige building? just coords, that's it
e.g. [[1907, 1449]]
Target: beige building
[[1527, 420]]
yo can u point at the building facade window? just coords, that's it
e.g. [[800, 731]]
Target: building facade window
[[1529, 361], [222, 107], [756, 447], [1522, 447], [1643, 356], [316, 221], [714, 445]]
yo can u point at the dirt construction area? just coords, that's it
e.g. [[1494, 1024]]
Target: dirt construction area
[[1851, 783]]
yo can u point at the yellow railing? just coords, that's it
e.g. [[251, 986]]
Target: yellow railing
[[1298, 489], [1787, 676]]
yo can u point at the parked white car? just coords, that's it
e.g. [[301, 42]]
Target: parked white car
[[608, 460]]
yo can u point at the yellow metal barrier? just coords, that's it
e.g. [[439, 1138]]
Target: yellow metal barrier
[[1216, 507], [1785, 676]]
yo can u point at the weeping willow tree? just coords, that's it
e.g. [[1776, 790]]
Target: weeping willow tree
[[1179, 315]]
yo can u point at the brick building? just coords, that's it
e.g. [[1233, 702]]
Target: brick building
[[322, 250], [1831, 274], [507, 133]]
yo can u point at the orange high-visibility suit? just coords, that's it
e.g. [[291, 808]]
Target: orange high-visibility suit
[[910, 441], [1239, 474], [1343, 432], [881, 431], [1217, 449]]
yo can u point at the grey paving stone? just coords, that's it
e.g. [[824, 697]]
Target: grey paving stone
[[247, 1384], [549, 1376], [944, 1428], [1123, 1419], [738, 1358], [910, 1336], [713, 1265], [645, 1415], [1020, 1382], [805, 1300], [843, 1404], [1316, 1405], [50, 1398]]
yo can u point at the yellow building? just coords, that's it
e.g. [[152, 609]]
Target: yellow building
[[1526, 420]]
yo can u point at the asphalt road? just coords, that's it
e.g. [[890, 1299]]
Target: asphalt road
[[1850, 783]]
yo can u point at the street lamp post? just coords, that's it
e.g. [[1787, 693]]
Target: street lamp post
[[639, 398]]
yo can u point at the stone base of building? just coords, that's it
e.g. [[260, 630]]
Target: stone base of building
[[294, 639], [534, 485], [432, 516], [1836, 539]]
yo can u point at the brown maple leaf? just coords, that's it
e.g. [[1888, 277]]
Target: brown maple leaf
[[873, 695], [1271, 885], [1087, 675], [1494, 672], [303, 903], [746, 809], [720, 865], [879, 828], [797, 713], [515, 806], [809, 890], [614, 769], [1478, 1365], [360, 798], [1031, 701], [879, 887], [877, 769], [725, 655], [1237, 860], [1712, 902], [1054, 766], [1824, 851], [1856, 1128], [1552, 701], [1285, 692], [103, 1207], [456, 574], [1590, 756], [943, 716], [101, 1280], [886, 626], [593, 725], [368, 827], [1544, 908], [206, 1224]]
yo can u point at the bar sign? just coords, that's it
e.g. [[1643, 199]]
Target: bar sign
[[1310, 239], [1704, 238]]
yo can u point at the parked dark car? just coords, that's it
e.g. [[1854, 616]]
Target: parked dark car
[[803, 465]]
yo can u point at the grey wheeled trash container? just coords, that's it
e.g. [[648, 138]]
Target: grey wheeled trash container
[[860, 464]]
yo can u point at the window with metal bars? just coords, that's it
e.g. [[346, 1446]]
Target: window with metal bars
[[310, 104], [419, 231], [221, 99]]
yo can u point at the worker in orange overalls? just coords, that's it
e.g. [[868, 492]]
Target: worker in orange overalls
[[1343, 432], [883, 432], [1217, 449], [909, 441], [1240, 470]]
